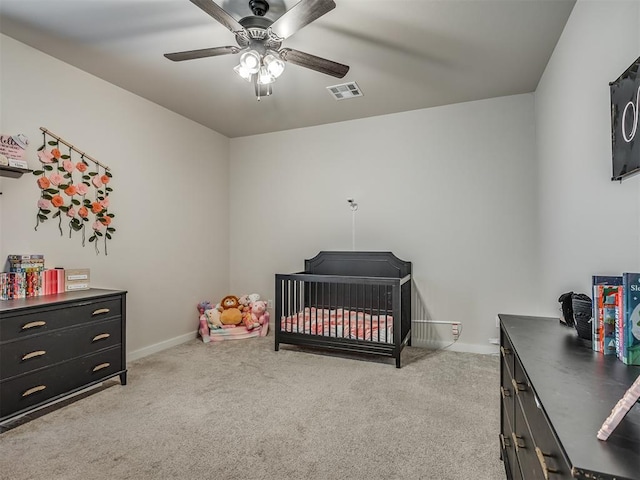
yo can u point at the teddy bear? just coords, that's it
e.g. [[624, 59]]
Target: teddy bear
[[230, 314], [260, 315], [213, 318]]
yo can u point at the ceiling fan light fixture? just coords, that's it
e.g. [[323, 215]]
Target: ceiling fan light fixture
[[274, 64], [265, 77], [262, 90], [250, 61], [243, 72]]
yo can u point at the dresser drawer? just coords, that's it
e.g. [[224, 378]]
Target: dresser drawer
[[39, 351], [525, 448], [32, 389], [46, 319], [548, 451]]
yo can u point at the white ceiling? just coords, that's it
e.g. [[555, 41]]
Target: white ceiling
[[404, 54]]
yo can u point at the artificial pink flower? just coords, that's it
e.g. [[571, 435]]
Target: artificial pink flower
[[68, 166], [83, 212], [96, 181], [45, 157], [56, 179], [81, 166], [44, 204], [96, 226], [71, 212], [81, 188], [105, 202]]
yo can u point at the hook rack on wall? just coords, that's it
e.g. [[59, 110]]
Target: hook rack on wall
[[83, 154]]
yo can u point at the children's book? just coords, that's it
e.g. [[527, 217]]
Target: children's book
[[631, 334], [596, 327], [609, 306]]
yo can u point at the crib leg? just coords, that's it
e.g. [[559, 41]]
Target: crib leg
[[398, 361], [277, 346]]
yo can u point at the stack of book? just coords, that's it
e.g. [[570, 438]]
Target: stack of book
[[23, 278], [616, 316], [26, 276]]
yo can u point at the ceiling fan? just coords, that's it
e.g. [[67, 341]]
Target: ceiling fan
[[260, 40]]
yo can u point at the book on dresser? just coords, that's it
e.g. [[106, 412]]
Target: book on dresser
[[595, 325], [631, 334]]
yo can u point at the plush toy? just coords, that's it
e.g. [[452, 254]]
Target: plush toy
[[213, 318], [230, 314], [204, 305], [244, 301], [259, 313], [254, 297]]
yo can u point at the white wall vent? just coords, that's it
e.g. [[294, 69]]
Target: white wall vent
[[345, 90]]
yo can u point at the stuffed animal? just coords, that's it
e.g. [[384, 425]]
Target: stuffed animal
[[204, 305], [230, 314], [259, 314], [244, 301], [213, 318], [254, 297]]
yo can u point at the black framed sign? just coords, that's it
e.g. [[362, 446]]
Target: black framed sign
[[625, 131]]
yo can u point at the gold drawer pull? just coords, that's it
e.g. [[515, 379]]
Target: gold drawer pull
[[102, 336], [38, 353], [101, 366], [518, 387], [505, 351], [505, 441], [545, 470], [33, 390], [505, 392], [99, 311], [518, 441], [29, 325]]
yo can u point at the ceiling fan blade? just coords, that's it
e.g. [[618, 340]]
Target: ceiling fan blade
[[318, 64], [301, 14], [213, 9], [202, 53]]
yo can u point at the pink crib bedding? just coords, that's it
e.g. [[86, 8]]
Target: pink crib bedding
[[340, 323]]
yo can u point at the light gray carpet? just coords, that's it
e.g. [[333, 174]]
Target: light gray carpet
[[239, 410]]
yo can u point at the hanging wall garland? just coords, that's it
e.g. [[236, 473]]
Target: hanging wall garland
[[72, 193]]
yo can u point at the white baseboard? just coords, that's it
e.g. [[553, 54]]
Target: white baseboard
[[158, 347], [456, 346]]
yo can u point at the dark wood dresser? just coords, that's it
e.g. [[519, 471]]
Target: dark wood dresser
[[555, 394], [55, 345]]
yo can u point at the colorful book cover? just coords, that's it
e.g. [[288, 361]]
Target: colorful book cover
[[607, 305], [596, 326], [631, 343]]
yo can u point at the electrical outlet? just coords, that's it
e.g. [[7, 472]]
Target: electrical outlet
[[269, 303], [455, 330]]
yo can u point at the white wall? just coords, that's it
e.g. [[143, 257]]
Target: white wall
[[170, 180], [588, 224], [452, 189]]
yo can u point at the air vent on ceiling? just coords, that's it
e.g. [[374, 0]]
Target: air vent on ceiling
[[345, 90]]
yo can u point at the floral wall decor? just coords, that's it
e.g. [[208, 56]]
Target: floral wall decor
[[75, 190]]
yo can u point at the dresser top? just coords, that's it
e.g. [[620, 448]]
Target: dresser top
[[578, 388], [66, 297]]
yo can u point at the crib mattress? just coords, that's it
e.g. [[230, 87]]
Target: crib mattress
[[340, 323]]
